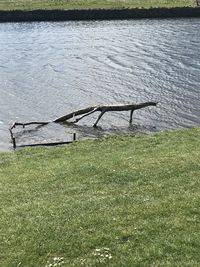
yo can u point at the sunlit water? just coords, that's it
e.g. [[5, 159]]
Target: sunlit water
[[50, 69]]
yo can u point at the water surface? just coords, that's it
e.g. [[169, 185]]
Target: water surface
[[50, 69]]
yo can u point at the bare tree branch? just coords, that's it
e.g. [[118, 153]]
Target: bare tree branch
[[88, 111], [103, 110]]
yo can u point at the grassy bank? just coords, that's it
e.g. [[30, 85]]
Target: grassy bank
[[124, 201], [90, 4]]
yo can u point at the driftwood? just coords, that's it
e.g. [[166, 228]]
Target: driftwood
[[87, 111], [27, 123], [39, 144], [84, 112], [103, 110]]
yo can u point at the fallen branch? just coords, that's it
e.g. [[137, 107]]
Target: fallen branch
[[103, 110], [84, 112], [28, 123], [88, 111]]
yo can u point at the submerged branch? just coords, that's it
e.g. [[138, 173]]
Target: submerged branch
[[88, 111], [103, 109], [28, 123]]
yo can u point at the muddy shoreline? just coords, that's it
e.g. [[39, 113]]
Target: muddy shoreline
[[97, 14]]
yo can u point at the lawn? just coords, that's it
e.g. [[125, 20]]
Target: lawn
[[120, 201], [90, 4]]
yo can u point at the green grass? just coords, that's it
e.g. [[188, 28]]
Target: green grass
[[90, 4], [122, 201]]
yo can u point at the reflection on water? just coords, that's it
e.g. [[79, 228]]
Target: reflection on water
[[50, 69]]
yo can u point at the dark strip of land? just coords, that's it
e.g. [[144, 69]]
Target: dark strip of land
[[98, 14]]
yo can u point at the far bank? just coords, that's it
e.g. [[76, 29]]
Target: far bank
[[98, 14]]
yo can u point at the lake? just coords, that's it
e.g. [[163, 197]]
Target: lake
[[49, 69]]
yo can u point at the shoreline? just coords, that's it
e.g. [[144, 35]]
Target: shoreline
[[98, 14], [19, 147]]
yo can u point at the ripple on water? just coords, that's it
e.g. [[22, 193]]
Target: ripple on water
[[50, 69]]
